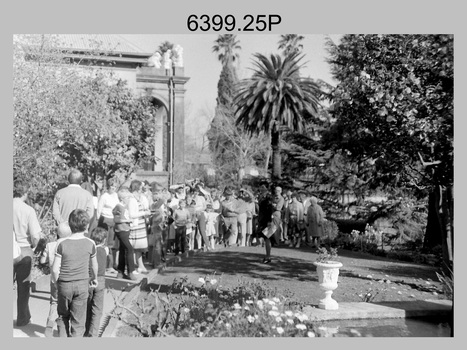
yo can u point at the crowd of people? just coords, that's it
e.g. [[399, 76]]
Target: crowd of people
[[128, 228]]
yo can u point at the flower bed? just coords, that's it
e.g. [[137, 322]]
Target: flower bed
[[185, 310]]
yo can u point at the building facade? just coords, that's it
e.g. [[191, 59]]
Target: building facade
[[147, 74]]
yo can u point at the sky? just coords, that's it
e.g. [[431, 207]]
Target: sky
[[203, 68]]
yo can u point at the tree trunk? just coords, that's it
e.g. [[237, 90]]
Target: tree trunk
[[276, 154], [268, 156], [439, 229]]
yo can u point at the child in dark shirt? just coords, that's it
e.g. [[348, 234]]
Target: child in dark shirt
[[96, 294]]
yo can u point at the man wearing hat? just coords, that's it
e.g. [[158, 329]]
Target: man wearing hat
[[229, 213]]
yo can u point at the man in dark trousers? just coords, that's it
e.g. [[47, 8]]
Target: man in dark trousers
[[27, 233]]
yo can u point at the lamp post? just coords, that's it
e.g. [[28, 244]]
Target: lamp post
[[171, 128]]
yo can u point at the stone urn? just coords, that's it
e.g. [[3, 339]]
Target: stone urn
[[328, 272]]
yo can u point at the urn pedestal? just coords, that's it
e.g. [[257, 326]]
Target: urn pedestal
[[328, 273]]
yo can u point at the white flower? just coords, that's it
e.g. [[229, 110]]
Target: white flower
[[227, 313], [280, 330], [273, 313], [227, 325], [247, 308], [213, 282], [274, 308], [250, 319], [201, 279], [277, 300], [237, 306], [187, 310], [289, 320], [249, 301], [278, 319], [311, 334], [260, 304], [289, 313], [270, 302], [301, 317], [266, 300], [256, 316], [301, 326]]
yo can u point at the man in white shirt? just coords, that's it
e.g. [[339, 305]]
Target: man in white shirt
[[27, 232], [72, 197]]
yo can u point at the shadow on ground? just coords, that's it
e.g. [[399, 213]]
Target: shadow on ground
[[250, 265]]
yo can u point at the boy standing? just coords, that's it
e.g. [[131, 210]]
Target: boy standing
[[71, 273]]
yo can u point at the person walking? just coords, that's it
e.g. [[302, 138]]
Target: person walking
[[72, 197], [27, 233]]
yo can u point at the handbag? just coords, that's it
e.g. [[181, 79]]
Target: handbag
[[269, 230]]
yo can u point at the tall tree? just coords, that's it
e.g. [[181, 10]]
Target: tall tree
[[227, 46], [274, 99], [290, 43], [394, 110], [232, 150]]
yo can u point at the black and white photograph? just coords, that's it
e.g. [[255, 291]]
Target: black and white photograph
[[233, 180]]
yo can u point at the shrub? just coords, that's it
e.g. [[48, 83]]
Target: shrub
[[247, 310], [331, 231]]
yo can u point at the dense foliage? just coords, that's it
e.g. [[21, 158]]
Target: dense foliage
[[65, 116], [394, 106], [395, 118]]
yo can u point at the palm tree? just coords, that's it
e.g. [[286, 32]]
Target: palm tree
[[226, 47], [290, 43], [274, 99], [166, 45]]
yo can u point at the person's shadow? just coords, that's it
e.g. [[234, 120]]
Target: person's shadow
[[31, 330]]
